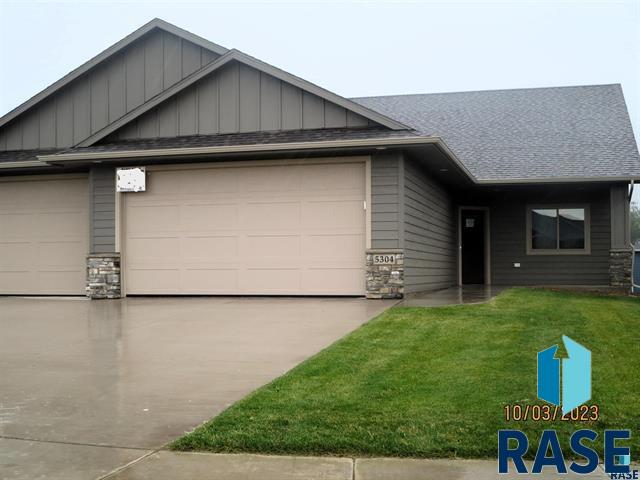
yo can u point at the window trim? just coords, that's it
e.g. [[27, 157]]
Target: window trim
[[558, 251]]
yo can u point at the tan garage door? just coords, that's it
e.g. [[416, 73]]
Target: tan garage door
[[44, 235], [277, 229]]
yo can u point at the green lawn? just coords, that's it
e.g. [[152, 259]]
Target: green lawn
[[433, 382]]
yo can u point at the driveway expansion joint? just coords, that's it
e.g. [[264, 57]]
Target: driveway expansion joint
[[65, 442]]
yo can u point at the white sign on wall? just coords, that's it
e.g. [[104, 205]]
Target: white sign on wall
[[131, 179]]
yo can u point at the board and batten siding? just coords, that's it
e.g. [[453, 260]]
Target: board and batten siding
[[509, 242], [102, 210], [429, 232], [238, 98], [108, 91]]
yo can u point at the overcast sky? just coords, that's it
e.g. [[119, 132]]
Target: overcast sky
[[351, 48]]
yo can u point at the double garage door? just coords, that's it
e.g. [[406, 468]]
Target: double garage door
[[295, 229], [44, 235], [254, 230]]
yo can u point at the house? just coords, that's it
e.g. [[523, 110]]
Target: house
[[258, 182]]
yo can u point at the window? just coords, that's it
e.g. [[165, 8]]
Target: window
[[558, 230]]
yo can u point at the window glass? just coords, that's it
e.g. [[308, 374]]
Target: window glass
[[571, 223], [544, 228]]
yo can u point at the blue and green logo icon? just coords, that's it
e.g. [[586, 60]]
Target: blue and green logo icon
[[570, 375]]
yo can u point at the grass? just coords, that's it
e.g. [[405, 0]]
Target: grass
[[433, 382]]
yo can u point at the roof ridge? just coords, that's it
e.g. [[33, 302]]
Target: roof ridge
[[489, 90]]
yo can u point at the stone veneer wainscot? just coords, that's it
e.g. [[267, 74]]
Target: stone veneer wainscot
[[385, 280], [103, 275]]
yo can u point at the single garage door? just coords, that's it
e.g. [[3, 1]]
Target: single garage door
[[296, 229], [44, 235]]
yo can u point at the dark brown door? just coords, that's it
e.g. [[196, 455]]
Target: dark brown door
[[473, 248]]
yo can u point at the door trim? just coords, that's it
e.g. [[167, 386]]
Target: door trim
[[487, 243]]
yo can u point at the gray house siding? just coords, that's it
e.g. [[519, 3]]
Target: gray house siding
[[385, 200], [114, 87], [238, 98], [102, 208], [429, 232], [620, 218], [508, 240]]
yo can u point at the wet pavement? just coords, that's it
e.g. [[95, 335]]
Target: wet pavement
[[88, 386]]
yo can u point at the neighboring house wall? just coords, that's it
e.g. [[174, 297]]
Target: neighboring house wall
[[114, 87], [238, 98], [102, 196], [429, 225], [508, 239]]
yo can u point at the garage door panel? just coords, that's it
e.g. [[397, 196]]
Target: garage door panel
[[209, 216], [193, 182], [157, 280], [44, 235], [336, 280], [203, 280], [16, 281], [265, 246], [14, 254], [153, 250], [270, 280], [333, 214], [16, 224], [264, 234], [339, 177], [262, 180], [270, 215], [210, 248], [333, 248], [62, 223], [58, 253], [152, 218]]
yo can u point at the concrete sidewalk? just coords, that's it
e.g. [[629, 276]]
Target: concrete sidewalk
[[167, 465]]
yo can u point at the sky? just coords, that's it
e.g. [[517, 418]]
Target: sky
[[351, 48]]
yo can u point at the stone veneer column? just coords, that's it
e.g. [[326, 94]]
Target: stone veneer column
[[103, 275], [620, 261], [385, 273]]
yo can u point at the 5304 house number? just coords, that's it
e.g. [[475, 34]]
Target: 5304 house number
[[384, 259]]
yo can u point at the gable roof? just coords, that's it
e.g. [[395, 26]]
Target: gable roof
[[238, 56], [112, 50], [581, 132]]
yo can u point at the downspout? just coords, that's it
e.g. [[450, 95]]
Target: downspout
[[634, 285]]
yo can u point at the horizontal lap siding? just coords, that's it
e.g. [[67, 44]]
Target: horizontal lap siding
[[508, 244], [103, 207], [429, 232], [385, 196]]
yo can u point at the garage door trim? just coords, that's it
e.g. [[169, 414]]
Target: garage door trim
[[120, 204]]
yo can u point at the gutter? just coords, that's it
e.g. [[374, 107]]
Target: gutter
[[24, 164], [265, 147], [516, 181], [184, 151]]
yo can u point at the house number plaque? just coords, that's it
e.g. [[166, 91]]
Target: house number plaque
[[384, 259]]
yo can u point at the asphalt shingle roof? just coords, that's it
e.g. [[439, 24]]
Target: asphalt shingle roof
[[249, 138], [535, 133], [555, 132], [25, 155]]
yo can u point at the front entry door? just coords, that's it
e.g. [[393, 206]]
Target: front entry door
[[472, 237]]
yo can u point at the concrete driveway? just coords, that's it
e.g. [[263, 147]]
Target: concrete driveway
[[88, 386]]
